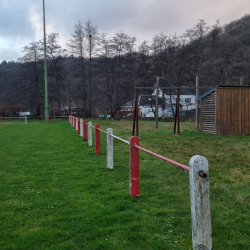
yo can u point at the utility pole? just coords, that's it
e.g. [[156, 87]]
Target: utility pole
[[46, 111], [197, 102], [157, 102], [90, 50]]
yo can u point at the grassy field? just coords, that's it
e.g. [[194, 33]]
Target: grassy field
[[55, 193]]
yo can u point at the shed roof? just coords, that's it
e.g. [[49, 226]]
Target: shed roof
[[217, 87]]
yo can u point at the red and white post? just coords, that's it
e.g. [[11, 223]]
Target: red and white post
[[134, 167], [97, 139], [85, 130], [79, 125]]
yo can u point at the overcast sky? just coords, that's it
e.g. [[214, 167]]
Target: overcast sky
[[21, 21]]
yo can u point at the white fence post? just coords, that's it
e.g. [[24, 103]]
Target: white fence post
[[200, 203], [76, 123], [26, 119], [109, 148], [81, 127], [90, 134], [73, 121]]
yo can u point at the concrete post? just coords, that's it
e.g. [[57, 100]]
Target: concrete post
[[90, 134], [134, 172], [109, 148], [81, 127], [26, 120], [97, 139], [69, 118], [85, 130], [76, 123], [200, 203]]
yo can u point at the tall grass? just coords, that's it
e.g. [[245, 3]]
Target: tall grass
[[55, 193]]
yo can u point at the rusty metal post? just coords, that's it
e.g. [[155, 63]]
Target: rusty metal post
[[178, 110]]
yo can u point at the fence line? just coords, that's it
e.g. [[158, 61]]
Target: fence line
[[120, 139], [163, 158], [198, 178]]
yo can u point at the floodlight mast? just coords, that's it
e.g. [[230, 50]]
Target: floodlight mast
[[46, 110]]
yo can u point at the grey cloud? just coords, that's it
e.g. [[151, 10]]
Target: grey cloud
[[142, 19]]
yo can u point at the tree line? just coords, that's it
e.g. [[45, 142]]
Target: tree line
[[98, 73]]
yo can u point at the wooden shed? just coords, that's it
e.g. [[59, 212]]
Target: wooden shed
[[225, 110]]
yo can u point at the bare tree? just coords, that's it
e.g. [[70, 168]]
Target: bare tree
[[56, 69], [77, 46], [33, 66], [92, 38]]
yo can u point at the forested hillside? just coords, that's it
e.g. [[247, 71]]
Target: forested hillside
[[98, 73]]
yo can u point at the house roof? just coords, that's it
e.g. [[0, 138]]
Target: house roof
[[183, 91], [143, 100]]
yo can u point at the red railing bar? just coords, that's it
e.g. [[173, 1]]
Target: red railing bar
[[102, 130], [163, 158]]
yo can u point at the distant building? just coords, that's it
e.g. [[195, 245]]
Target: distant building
[[166, 103], [27, 113]]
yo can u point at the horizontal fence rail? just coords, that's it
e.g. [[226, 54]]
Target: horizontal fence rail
[[198, 178], [162, 157]]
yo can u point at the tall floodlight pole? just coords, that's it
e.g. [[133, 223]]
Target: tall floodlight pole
[[46, 111], [90, 97]]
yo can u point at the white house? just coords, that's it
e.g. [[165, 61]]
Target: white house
[[167, 103]]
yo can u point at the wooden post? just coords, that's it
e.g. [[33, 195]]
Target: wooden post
[[197, 102], [81, 127], [200, 203], [134, 167], [97, 139], [90, 134], [109, 148]]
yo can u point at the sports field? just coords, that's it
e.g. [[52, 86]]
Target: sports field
[[56, 193]]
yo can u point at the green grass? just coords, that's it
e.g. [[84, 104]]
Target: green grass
[[55, 193]]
